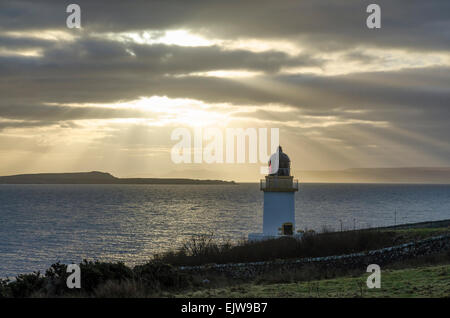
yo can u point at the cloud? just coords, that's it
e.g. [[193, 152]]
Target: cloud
[[64, 113], [91, 55], [309, 67], [397, 96], [323, 24]]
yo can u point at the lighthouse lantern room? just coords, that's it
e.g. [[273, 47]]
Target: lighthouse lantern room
[[279, 189]]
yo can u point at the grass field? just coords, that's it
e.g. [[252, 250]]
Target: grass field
[[429, 281], [418, 233]]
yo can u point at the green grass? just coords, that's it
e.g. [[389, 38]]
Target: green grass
[[430, 281], [419, 233]]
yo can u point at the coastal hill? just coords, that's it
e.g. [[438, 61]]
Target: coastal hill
[[436, 175], [425, 175], [96, 177]]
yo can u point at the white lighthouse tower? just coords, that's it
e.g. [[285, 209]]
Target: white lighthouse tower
[[279, 189]]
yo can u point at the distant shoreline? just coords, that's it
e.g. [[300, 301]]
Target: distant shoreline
[[410, 175], [96, 177]]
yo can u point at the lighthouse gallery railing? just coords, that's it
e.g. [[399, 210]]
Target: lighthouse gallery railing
[[278, 183]]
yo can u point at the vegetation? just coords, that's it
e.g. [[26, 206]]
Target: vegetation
[[203, 249], [162, 277], [98, 279], [419, 233], [431, 281]]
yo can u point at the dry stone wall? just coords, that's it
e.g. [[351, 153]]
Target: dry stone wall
[[381, 257]]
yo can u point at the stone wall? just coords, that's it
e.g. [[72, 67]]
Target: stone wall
[[357, 260]]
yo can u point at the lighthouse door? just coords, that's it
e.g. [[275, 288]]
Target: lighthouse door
[[287, 229]]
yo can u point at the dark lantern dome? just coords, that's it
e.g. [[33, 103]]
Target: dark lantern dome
[[284, 163]]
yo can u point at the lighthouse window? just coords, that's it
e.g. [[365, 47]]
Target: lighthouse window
[[288, 229]]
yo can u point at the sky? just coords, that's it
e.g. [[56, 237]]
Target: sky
[[108, 96]]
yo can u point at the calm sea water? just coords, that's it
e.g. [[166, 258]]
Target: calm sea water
[[42, 224]]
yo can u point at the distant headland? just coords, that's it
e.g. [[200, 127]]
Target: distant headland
[[97, 177], [424, 175]]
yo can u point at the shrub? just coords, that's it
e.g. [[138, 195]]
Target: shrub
[[5, 290], [203, 249], [96, 273], [56, 277], [122, 289], [26, 284], [155, 276]]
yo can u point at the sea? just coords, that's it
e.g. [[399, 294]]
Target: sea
[[43, 224]]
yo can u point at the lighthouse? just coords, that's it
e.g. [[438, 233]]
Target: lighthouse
[[279, 189]]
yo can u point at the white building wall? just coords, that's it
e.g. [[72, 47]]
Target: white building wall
[[279, 208]]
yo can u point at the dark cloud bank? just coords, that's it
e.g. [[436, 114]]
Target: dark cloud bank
[[97, 70]]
